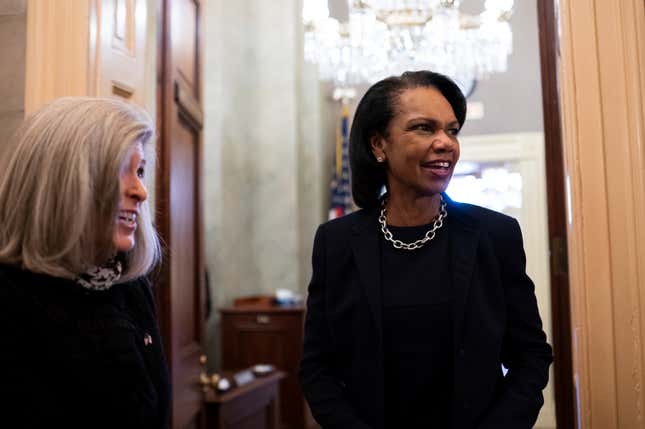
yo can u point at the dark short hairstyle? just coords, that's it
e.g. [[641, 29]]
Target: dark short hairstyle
[[373, 115]]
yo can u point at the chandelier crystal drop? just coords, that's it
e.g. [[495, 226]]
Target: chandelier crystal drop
[[386, 37]]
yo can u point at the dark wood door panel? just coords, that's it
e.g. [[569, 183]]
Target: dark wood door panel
[[185, 218], [181, 291], [189, 107], [555, 174], [185, 19], [187, 394]]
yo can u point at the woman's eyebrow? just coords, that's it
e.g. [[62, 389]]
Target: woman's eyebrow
[[434, 121]]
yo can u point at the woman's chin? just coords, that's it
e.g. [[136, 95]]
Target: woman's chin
[[434, 189], [124, 244]]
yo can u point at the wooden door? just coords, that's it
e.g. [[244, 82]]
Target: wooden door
[[85, 48], [179, 206], [118, 55]]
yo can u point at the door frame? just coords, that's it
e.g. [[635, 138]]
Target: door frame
[[162, 179], [548, 18], [548, 24]]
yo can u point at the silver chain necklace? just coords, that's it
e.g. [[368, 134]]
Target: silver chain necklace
[[436, 224]]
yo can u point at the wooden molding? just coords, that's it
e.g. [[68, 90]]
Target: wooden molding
[[122, 89], [603, 50], [563, 381], [188, 106]]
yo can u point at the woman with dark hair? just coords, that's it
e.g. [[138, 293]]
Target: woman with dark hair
[[416, 301]]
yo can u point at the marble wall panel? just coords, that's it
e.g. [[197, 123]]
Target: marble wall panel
[[13, 26], [13, 7], [263, 187]]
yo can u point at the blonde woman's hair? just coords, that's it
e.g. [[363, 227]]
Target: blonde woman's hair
[[59, 188]]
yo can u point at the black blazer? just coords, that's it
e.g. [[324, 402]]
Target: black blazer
[[75, 358], [496, 321]]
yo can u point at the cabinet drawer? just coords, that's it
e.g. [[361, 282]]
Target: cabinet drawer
[[262, 319]]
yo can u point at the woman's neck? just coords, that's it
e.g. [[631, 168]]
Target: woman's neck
[[412, 211]]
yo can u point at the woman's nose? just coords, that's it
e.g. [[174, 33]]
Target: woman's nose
[[138, 191], [443, 142]]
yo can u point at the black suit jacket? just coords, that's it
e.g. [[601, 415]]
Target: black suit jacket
[[495, 316], [75, 358]]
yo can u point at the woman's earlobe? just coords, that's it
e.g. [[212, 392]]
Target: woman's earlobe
[[376, 142]]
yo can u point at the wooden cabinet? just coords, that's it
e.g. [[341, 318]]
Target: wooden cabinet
[[271, 335], [252, 406]]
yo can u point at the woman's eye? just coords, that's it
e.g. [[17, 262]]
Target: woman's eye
[[141, 173], [453, 131], [423, 127]]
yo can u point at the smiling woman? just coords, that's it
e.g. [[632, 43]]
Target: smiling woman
[[76, 159], [132, 193], [421, 149], [76, 245], [413, 320]]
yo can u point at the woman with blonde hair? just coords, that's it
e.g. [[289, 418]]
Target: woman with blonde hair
[[80, 340]]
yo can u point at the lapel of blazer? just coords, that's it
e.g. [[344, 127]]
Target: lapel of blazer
[[365, 246], [464, 236]]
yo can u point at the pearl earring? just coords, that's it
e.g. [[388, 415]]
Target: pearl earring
[[379, 159]]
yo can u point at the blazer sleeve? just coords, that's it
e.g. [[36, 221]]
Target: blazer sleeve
[[525, 352], [321, 387]]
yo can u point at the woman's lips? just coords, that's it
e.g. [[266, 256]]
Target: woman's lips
[[127, 219], [439, 168]]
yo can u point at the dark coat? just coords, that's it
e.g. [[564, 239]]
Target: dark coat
[[495, 316], [75, 358]]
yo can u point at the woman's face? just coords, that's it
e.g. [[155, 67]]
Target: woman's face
[[421, 148], [132, 193]]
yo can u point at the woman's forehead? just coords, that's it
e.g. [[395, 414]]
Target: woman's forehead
[[135, 155], [424, 101]]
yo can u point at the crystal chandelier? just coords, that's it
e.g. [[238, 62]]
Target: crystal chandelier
[[386, 37]]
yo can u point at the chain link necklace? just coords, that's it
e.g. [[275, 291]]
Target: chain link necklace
[[436, 224]]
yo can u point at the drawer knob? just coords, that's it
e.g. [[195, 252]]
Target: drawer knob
[[263, 319]]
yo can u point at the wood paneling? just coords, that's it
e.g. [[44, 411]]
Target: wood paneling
[[603, 83], [560, 302], [184, 51], [57, 51], [85, 48], [179, 204], [271, 335]]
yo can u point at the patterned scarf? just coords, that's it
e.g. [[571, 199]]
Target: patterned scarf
[[101, 278]]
